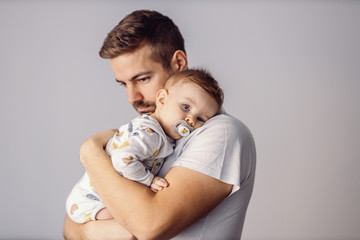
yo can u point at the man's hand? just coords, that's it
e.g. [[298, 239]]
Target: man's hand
[[98, 139], [94, 230], [158, 184]]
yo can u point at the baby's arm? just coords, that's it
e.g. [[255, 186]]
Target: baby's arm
[[130, 157], [128, 165]]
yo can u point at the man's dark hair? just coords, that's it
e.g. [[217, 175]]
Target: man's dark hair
[[144, 27]]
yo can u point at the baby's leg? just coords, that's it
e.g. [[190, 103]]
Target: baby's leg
[[103, 214], [83, 203], [81, 207]]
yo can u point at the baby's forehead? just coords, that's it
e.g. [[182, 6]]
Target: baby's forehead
[[190, 91], [179, 82], [176, 81], [182, 86]]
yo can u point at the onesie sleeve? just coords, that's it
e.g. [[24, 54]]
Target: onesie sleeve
[[129, 158]]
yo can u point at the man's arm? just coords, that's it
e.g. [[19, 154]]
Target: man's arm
[[190, 195]]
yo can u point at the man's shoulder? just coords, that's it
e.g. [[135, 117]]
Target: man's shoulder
[[223, 126], [224, 118], [225, 122]]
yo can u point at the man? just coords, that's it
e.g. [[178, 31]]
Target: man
[[210, 173]]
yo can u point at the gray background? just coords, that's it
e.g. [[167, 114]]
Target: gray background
[[289, 69]]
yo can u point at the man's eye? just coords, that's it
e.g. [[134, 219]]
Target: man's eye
[[186, 107], [144, 79], [122, 84]]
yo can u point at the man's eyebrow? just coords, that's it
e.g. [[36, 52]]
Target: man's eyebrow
[[135, 76]]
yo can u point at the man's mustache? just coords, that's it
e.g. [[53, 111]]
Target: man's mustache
[[142, 104]]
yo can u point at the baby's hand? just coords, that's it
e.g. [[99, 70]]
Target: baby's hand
[[158, 184]]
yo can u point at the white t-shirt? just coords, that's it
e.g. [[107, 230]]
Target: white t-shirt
[[222, 148]]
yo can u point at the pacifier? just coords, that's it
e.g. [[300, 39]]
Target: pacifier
[[183, 128]]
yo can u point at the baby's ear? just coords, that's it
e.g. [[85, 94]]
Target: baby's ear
[[161, 96]]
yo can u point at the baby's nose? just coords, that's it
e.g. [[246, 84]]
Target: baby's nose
[[190, 121]]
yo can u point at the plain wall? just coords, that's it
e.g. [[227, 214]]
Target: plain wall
[[290, 71]]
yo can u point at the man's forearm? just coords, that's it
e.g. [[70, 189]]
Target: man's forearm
[[118, 192]]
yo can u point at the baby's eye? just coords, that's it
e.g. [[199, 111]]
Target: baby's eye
[[200, 119], [186, 107]]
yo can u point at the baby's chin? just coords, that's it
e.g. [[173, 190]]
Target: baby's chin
[[173, 135], [177, 137]]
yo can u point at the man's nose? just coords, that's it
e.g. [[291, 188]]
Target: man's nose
[[133, 95], [190, 120]]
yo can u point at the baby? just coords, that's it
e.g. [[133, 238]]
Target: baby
[[188, 99]]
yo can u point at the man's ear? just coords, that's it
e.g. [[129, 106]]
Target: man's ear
[[161, 96], [178, 61]]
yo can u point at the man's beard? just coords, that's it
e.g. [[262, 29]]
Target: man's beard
[[142, 104]]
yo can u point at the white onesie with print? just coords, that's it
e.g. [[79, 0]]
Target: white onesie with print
[[137, 152]]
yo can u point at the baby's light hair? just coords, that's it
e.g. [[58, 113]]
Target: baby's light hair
[[200, 77]]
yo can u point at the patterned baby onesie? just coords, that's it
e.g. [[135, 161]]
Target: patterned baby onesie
[[137, 152]]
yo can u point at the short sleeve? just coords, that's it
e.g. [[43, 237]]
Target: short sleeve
[[217, 148]]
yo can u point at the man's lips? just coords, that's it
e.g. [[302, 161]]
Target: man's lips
[[145, 109]]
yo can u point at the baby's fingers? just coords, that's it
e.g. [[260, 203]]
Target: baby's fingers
[[160, 182], [155, 188]]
